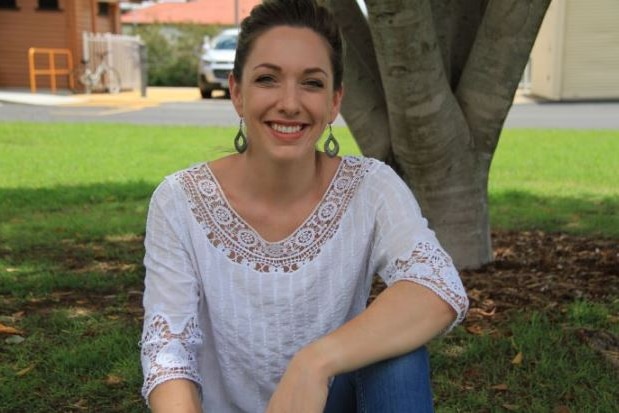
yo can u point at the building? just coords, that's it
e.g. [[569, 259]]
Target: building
[[576, 53], [49, 24], [204, 12]]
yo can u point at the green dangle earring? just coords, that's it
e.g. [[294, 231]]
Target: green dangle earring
[[240, 140], [331, 146]]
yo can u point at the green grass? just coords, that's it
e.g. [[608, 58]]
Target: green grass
[[73, 199], [556, 180], [556, 368]]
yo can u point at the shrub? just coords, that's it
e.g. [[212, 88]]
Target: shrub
[[173, 52]]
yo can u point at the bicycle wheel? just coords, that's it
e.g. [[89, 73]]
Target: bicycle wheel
[[111, 80], [81, 81]]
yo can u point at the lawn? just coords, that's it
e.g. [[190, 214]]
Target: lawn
[[73, 199]]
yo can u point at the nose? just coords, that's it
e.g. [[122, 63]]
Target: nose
[[289, 103]]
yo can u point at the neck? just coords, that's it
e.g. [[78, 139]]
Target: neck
[[282, 182]]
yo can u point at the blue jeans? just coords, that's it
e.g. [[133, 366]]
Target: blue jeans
[[397, 385]]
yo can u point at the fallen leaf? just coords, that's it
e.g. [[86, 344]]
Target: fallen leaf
[[18, 315], [14, 340], [518, 359], [113, 379], [9, 330], [475, 329], [499, 387], [25, 371], [481, 313], [612, 318], [474, 294], [80, 404], [511, 407], [561, 409]]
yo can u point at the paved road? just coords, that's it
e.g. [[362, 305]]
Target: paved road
[[588, 115]]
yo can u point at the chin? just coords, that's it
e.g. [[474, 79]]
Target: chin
[[292, 153]]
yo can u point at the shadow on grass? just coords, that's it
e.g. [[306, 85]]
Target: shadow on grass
[[23, 200], [589, 216], [87, 237]]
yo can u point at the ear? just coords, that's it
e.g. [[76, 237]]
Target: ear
[[235, 94], [338, 95]]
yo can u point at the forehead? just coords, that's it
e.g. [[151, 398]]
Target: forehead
[[290, 48]]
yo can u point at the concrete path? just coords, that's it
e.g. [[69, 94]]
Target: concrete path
[[183, 106], [131, 100], [154, 96]]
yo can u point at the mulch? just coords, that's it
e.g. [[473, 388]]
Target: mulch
[[537, 270], [534, 270]]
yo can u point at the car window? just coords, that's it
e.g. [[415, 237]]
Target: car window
[[225, 43]]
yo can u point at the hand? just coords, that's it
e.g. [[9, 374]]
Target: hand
[[302, 389]]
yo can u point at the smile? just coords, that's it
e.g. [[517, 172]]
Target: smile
[[286, 128]]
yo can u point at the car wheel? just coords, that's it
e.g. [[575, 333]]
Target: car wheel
[[206, 93]]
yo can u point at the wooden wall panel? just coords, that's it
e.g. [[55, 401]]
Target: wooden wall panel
[[28, 27]]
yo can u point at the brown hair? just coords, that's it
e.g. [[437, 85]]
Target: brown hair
[[294, 13]]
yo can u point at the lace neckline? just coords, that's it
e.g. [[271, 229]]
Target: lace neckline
[[240, 218], [227, 231]]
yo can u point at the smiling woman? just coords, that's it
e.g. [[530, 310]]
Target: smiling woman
[[259, 264], [286, 98]]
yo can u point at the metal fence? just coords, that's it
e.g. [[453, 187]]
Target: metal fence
[[122, 53]]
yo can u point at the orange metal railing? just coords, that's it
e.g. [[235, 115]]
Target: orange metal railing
[[52, 71]]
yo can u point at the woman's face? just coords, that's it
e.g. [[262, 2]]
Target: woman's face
[[286, 93]]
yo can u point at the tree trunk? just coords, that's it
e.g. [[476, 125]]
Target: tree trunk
[[427, 88]]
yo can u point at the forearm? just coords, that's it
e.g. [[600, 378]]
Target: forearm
[[175, 396], [403, 317]]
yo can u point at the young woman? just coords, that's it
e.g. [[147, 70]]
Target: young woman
[[259, 264]]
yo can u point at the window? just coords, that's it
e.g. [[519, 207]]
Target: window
[[48, 5], [8, 4], [103, 8]]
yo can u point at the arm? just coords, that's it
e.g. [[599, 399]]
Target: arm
[[402, 318], [171, 337], [179, 396]]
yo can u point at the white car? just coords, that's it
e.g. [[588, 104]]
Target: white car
[[216, 62]]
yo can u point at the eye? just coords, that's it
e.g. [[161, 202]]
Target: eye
[[314, 83], [265, 80]]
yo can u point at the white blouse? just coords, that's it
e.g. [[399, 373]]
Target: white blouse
[[228, 310]]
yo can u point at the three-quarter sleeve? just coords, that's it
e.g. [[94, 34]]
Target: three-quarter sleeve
[[404, 248], [171, 336]]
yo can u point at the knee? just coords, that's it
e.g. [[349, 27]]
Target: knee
[[413, 365], [415, 361]]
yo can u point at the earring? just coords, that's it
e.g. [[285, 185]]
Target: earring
[[331, 146], [240, 141]]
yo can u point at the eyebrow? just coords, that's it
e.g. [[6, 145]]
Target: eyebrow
[[279, 69]]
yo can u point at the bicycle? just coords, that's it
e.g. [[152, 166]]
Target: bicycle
[[103, 77]]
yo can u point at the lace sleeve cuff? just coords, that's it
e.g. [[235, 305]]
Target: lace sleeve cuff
[[430, 266], [167, 355]]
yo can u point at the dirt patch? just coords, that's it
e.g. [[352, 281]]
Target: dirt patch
[[537, 270]]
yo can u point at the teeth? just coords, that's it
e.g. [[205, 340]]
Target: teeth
[[286, 129]]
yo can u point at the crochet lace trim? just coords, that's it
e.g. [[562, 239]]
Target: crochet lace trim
[[167, 355], [228, 232], [431, 267]]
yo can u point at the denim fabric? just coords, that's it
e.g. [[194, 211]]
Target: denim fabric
[[397, 385]]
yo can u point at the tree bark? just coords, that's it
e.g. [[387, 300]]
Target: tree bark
[[430, 92], [364, 106]]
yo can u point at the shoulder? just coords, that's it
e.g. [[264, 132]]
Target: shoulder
[[174, 186], [377, 176]]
